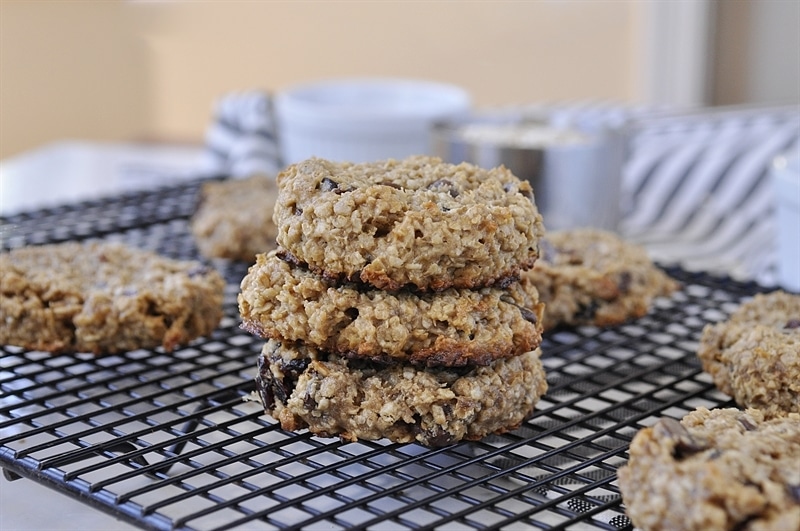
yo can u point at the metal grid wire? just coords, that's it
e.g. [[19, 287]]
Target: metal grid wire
[[169, 441]]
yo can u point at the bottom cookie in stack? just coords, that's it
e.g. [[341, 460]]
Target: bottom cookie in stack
[[332, 395]]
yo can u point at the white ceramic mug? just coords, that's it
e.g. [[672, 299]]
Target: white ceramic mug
[[361, 120]]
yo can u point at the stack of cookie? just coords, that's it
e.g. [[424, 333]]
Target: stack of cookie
[[392, 307]]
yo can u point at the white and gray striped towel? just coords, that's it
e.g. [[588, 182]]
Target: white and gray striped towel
[[697, 191], [241, 139]]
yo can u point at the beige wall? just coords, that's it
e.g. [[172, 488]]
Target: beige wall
[[757, 49], [132, 70], [70, 70]]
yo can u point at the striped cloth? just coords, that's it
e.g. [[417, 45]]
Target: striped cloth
[[696, 189], [241, 140]]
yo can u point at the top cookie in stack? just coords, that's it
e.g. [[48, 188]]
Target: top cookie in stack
[[414, 222], [393, 306]]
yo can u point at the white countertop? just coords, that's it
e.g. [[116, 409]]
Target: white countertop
[[71, 171]]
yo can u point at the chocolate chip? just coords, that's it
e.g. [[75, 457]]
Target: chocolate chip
[[794, 492], [437, 437], [506, 281], [328, 185], [264, 384], [267, 397], [279, 390], [742, 525], [748, 425], [529, 195], [791, 324], [392, 185], [587, 311], [625, 281], [288, 257], [528, 315], [296, 366], [444, 185], [309, 403], [685, 444]]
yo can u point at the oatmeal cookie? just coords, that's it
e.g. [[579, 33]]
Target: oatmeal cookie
[[754, 356], [360, 399], [104, 298], [594, 277], [415, 222], [452, 327], [233, 218], [720, 469]]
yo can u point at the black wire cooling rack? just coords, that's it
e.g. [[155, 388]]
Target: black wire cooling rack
[[170, 441]]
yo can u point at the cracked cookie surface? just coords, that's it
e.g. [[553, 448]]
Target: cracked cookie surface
[[594, 277], [720, 469], [413, 222], [104, 298], [279, 300], [754, 356], [356, 399]]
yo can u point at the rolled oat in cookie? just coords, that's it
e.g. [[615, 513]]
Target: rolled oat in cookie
[[104, 298], [594, 277], [333, 396], [754, 356], [715, 470], [453, 327], [415, 222], [233, 218]]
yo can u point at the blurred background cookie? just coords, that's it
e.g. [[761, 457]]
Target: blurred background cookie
[[594, 277], [104, 298], [754, 356], [234, 218]]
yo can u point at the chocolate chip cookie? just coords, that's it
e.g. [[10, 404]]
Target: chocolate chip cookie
[[282, 301], [755, 355], [594, 277], [233, 219], [104, 298], [720, 469], [332, 395], [416, 222]]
